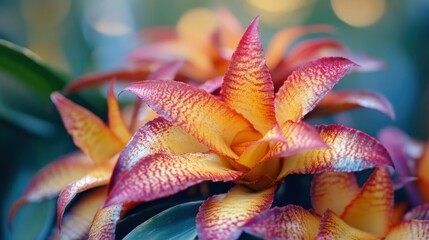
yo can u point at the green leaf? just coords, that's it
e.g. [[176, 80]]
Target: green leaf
[[177, 222], [29, 70]]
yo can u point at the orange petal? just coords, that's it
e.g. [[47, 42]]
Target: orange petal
[[307, 85], [340, 101], [198, 113], [334, 191], [99, 176], [422, 170], [289, 222], [78, 219], [116, 122], [49, 181], [222, 216], [229, 27], [104, 223], [372, 208], [412, 229], [163, 174], [283, 39], [349, 150], [156, 136], [89, 133], [247, 86], [332, 227], [420, 212]]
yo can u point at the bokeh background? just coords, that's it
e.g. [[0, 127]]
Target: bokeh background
[[86, 36]]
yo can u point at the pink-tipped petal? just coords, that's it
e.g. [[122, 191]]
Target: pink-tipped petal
[[156, 136], [163, 174], [333, 190], [99, 176], [332, 227], [198, 113], [49, 181], [222, 216], [289, 222], [372, 208], [78, 220], [89, 133], [116, 121], [339, 101], [167, 71], [247, 86], [420, 212], [349, 150], [311, 49], [412, 229], [307, 85]]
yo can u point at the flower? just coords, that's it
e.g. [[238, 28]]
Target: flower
[[343, 210], [248, 134]]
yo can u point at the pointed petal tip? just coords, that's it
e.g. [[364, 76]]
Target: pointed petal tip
[[56, 97], [13, 210]]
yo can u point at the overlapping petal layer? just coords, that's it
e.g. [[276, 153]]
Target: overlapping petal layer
[[412, 229], [222, 216], [349, 150], [89, 133], [289, 222], [307, 85], [371, 209], [247, 86], [104, 222], [333, 191], [189, 108], [420, 212], [116, 122], [163, 174]]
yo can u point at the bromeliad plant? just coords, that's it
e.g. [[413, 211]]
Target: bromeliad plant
[[249, 134]]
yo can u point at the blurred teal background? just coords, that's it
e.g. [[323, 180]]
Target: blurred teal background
[[79, 37]]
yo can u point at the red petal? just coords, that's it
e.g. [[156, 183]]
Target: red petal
[[340, 101], [334, 191], [420, 212], [409, 230], [116, 122], [350, 150], [89, 133], [49, 181], [222, 216], [372, 208], [284, 223], [247, 86], [201, 115], [156, 136], [162, 174], [307, 85], [99, 176], [332, 227]]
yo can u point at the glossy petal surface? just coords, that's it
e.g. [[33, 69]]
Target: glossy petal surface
[[332, 227], [89, 133], [350, 150], [49, 181], [333, 190], [116, 122], [307, 85], [222, 216], [162, 174], [412, 229], [189, 108], [104, 223], [371, 209], [247, 86], [284, 223]]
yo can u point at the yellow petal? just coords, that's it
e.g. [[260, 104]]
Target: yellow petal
[[412, 229], [116, 122]]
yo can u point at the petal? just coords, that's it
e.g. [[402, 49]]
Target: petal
[[283, 39], [116, 122], [78, 219], [222, 216], [420, 212], [284, 223], [334, 191], [198, 113], [307, 85], [156, 136], [372, 208], [89, 133], [158, 34], [340, 101], [409, 230], [99, 176], [162, 174], [422, 170], [49, 181], [104, 223], [350, 150], [332, 227], [212, 84], [247, 86]]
